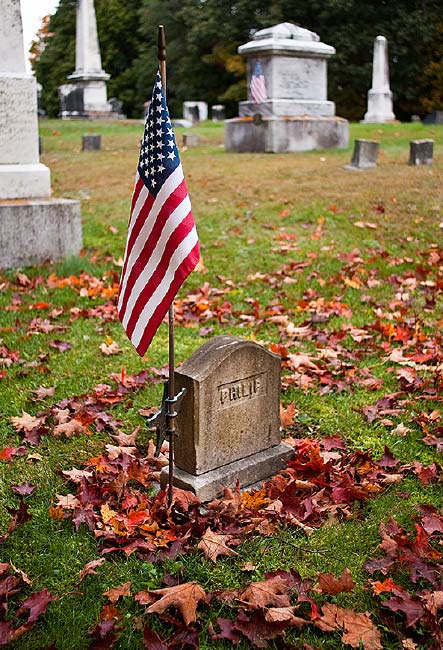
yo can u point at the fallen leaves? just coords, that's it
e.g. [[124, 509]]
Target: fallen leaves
[[185, 598], [214, 545]]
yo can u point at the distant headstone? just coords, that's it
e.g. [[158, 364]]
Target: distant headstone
[[228, 424], [421, 152], [91, 142], [191, 140], [380, 95], [415, 118], [218, 113], [436, 117], [365, 155], [40, 145], [292, 82], [195, 111]]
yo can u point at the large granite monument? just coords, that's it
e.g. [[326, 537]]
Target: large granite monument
[[380, 95], [228, 422], [296, 115], [33, 227], [86, 96]]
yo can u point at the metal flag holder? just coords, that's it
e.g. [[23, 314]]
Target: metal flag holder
[[164, 419]]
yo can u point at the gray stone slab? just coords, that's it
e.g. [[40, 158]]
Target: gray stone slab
[[436, 117], [218, 113], [365, 155], [91, 142], [247, 471], [283, 135], [191, 140], [33, 232], [421, 152], [231, 407]]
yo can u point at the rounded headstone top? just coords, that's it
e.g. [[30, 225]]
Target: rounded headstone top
[[286, 30], [286, 39]]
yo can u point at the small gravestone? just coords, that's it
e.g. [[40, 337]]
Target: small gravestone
[[195, 111], [191, 140], [415, 118], [91, 142], [218, 113], [365, 155], [228, 424], [436, 117], [421, 152]]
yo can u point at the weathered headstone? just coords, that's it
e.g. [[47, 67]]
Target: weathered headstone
[[421, 152], [415, 118], [191, 140], [85, 96], [436, 117], [297, 115], [218, 113], [228, 424], [195, 111], [91, 142], [380, 95], [365, 155], [37, 228]]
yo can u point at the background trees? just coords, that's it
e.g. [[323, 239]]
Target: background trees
[[203, 36]]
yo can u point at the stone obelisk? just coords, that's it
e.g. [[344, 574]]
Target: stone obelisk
[[86, 96], [380, 95], [33, 227]]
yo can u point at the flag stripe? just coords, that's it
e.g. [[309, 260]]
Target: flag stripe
[[162, 245], [165, 245], [147, 249], [141, 226], [186, 267], [169, 285]]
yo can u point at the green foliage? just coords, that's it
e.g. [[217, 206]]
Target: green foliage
[[202, 42]]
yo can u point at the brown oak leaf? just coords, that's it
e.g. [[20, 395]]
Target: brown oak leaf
[[358, 629], [89, 569], [116, 592], [185, 598], [272, 592], [328, 584], [214, 545]]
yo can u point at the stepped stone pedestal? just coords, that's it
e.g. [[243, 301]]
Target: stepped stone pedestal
[[296, 114], [31, 231], [86, 96]]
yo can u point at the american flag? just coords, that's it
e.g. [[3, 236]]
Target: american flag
[[257, 85], [162, 245]]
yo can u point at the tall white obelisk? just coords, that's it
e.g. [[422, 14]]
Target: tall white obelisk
[[86, 96], [380, 95]]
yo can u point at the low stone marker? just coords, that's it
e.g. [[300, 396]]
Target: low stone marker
[[421, 152], [191, 140], [218, 113], [91, 142], [228, 424], [365, 155], [436, 117]]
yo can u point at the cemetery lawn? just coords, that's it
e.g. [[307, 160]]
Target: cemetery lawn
[[341, 273]]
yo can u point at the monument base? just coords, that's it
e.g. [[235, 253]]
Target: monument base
[[247, 471], [285, 134], [25, 181], [379, 107], [85, 99], [35, 231]]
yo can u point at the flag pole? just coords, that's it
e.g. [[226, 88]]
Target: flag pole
[[170, 412]]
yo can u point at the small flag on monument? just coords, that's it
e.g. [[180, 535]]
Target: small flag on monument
[[257, 85], [162, 245]]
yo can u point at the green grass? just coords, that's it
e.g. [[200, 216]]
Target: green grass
[[245, 206]]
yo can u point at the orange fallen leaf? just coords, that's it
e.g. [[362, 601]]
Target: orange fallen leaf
[[185, 598], [117, 592], [214, 545]]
